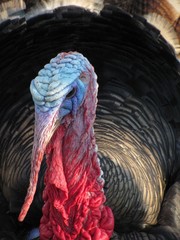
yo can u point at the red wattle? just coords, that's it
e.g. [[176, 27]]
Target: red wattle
[[74, 197], [73, 207]]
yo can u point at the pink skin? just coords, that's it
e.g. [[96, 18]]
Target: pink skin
[[45, 126], [73, 195]]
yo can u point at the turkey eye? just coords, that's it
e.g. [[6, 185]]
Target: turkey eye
[[71, 93]]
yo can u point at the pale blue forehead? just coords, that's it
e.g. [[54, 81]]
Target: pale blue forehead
[[56, 78]]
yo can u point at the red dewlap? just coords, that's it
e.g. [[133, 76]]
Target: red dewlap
[[73, 206]]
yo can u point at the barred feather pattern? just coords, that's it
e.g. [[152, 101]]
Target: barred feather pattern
[[133, 137], [28, 44], [163, 14]]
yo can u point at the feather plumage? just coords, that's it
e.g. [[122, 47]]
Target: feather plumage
[[138, 78]]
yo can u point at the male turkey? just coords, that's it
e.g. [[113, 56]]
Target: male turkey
[[136, 125]]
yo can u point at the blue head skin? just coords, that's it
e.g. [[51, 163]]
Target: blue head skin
[[60, 83], [58, 90]]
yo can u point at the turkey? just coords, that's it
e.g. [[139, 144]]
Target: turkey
[[120, 181]]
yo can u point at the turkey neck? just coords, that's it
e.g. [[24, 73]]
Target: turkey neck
[[73, 196]]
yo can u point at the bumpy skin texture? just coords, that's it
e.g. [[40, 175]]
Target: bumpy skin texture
[[73, 195], [138, 78]]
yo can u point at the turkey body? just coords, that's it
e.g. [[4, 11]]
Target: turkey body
[[137, 124]]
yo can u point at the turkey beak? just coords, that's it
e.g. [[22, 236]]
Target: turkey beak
[[45, 125]]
